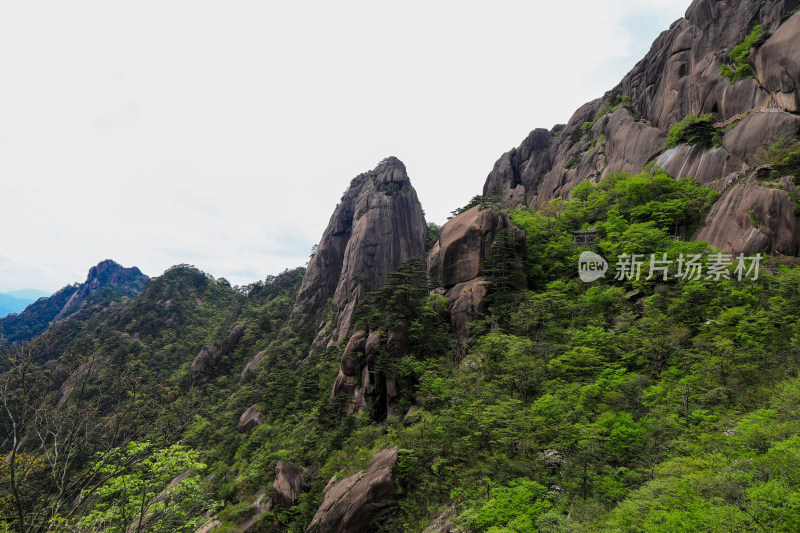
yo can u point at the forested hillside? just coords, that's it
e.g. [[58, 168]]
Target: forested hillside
[[608, 339], [616, 405]]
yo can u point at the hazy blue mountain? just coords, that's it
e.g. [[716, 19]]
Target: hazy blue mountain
[[29, 294], [13, 304]]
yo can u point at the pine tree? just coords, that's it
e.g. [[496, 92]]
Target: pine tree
[[504, 274]]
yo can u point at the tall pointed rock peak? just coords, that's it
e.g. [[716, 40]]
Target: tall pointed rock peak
[[377, 225]]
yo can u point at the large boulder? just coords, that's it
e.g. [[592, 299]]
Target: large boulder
[[351, 363], [288, 484], [253, 363], [457, 260], [360, 377], [468, 300], [250, 419], [209, 356], [464, 244], [350, 505]]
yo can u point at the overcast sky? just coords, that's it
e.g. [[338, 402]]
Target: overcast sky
[[223, 134]]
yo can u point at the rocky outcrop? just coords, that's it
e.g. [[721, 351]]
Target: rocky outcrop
[[377, 225], [81, 376], [444, 522], [209, 526], [360, 377], [288, 484], [754, 217], [253, 363], [35, 318], [108, 277], [350, 504], [522, 168], [467, 301], [209, 356], [626, 128], [250, 419], [760, 130], [464, 244], [680, 74], [456, 261]]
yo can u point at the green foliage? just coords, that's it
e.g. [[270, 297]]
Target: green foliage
[[236, 513], [572, 407], [783, 157], [152, 489], [502, 271], [400, 299], [478, 200], [741, 58], [513, 508], [633, 214], [695, 130], [432, 236]]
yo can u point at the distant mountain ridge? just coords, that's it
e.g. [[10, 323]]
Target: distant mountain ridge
[[107, 281], [10, 304], [16, 301]]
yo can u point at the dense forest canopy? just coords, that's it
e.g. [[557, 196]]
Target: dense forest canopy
[[616, 405]]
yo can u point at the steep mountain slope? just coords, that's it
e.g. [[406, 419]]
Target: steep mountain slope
[[627, 128], [482, 388]]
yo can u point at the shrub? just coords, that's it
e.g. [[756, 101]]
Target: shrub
[[235, 513], [516, 507], [783, 157], [695, 130], [741, 58]]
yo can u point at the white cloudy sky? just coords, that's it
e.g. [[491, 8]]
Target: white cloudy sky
[[223, 134]]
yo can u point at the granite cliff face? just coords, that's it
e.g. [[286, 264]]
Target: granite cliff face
[[377, 225], [627, 128]]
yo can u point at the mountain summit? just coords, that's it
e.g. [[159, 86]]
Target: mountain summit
[[107, 276], [377, 225], [106, 281]]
